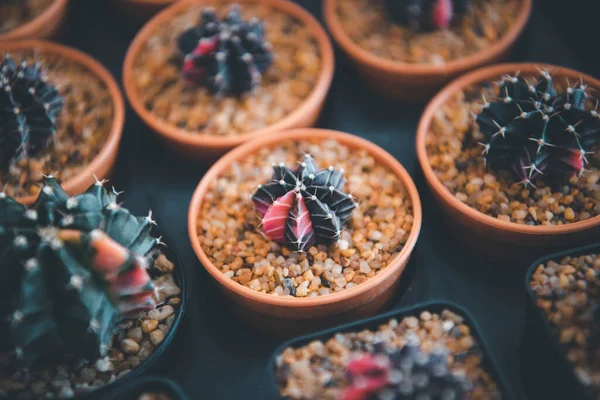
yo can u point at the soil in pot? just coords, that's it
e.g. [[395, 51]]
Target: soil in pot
[[61, 346], [290, 79], [368, 24], [456, 148], [348, 363], [82, 125], [229, 229], [18, 12], [567, 291]]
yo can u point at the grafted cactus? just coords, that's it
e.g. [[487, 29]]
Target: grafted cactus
[[226, 56], [532, 129], [29, 107], [405, 374], [426, 14], [304, 206], [72, 268]]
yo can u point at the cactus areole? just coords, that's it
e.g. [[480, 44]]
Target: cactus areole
[[226, 56], [531, 129], [426, 14], [304, 206], [29, 107], [72, 268]]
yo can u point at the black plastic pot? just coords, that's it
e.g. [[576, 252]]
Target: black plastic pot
[[373, 323], [545, 370], [152, 384], [158, 361]]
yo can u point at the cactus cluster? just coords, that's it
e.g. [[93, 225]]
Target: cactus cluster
[[227, 56], [407, 373], [304, 206], [532, 129], [72, 268], [29, 107], [426, 14]]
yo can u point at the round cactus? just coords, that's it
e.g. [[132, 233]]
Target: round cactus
[[405, 374], [532, 129], [304, 206], [72, 268], [426, 14], [29, 107], [226, 56]]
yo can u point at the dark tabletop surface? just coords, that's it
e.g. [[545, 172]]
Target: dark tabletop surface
[[222, 358]]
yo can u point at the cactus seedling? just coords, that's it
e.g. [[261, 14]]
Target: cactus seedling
[[426, 14], [404, 374], [72, 268], [304, 206], [226, 56], [29, 107], [532, 129]]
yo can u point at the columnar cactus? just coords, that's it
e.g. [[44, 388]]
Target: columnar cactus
[[426, 14], [226, 56], [404, 374], [72, 268], [304, 206], [532, 129], [29, 107]]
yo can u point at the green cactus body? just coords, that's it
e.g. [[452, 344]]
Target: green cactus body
[[29, 108], [532, 129], [72, 268]]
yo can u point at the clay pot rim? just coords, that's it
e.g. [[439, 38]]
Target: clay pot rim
[[185, 137], [28, 28], [78, 183], [450, 68], [474, 77], [347, 139]]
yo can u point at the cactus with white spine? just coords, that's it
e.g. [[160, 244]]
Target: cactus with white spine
[[29, 108], [304, 206], [72, 268], [531, 129]]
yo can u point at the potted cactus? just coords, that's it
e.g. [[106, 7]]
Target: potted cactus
[[31, 19], [207, 76], [408, 49], [293, 231], [563, 322], [87, 295], [61, 111], [509, 152], [432, 351]]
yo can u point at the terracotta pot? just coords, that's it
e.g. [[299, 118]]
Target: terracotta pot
[[206, 148], [480, 231], [141, 10], [104, 161], [44, 26], [290, 315], [417, 82]]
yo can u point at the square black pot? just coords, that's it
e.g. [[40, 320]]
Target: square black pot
[[545, 371], [489, 362]]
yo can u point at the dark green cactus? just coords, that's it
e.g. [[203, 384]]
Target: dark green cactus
[[226, 56], [405, 374], [304, 206], [72, 268], [29, 107], [426, 14], [532, 129]]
